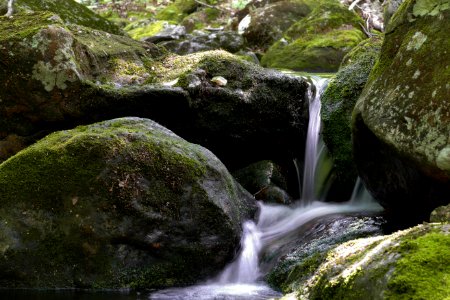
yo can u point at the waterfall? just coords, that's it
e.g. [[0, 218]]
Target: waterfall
[[241, 279], [312, 149]]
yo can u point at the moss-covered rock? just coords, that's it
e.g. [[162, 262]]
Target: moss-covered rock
[[122, 203], [268, 23], [338, 102], [71, 12], [298, 258], [259, 114], [318, 42], [49, 67], [441, 214], [264, 179], [409, 264], [401, 121], [177, 11]]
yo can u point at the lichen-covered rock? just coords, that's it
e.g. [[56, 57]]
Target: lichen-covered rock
[[409, 264], [117, 204], [401, 121], [338, 102], [441, 214], [71, 12], [268, 23], [265, 180], [51, 72], [298, 258], [318, 42]]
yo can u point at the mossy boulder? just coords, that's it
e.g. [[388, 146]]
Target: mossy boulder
[[51, 71], [300, 256], [258, 114], [401, 121], [265, 180], [123, 203], [318, 42], [71, 12], [177, 10], [409, 264], [267, 23], [338, 102]]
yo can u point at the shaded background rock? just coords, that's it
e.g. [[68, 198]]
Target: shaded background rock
[[401, 122], [264, 179], [267, 23], [318, 42], [122, 203]]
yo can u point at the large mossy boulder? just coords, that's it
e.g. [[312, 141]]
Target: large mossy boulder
[[409, 264], [318, 42], [55, 77], [71, 12], [401, 121], [338, 102], [267, 23], [117, 204]]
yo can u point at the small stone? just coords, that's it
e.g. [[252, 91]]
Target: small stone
[[443, 159], [219, 81]]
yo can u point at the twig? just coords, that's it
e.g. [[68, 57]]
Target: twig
[[366, 31]]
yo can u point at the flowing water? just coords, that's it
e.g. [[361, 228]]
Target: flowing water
[[242, 279]]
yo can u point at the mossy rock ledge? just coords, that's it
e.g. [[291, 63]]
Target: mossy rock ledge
[[338, 102], [124, 203], [408, 264], [317, 42], [401, 121], [70, 11]]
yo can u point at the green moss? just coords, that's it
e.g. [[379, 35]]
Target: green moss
[[25, 25], [146, 31], [423, 272], [318, 42], [319, 53], [430, 7], [177, 11], [71, 12], [338, 102]]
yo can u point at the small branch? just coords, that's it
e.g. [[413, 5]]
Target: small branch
[[353, 4], [366, 31]]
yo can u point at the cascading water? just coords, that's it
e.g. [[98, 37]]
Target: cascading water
[[241, 279], [312, 141]]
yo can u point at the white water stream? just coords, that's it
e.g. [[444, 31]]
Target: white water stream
[[241, 279]]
